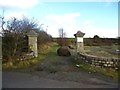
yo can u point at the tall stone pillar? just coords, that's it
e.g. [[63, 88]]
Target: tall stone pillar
[[32, 41], [79, 42]]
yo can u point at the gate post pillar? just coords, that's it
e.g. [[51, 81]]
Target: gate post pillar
[[79, 42], [32, 41]]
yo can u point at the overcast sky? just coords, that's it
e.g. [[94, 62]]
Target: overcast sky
[[93, 18]]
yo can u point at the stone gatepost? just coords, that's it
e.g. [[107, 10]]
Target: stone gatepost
[[79, 42], [32, 41]]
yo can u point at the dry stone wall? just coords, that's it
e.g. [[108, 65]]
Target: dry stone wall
[[101, 61]]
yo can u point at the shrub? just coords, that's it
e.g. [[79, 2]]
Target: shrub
[[15, 40]]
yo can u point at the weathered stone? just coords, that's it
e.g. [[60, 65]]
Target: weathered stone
[[79, 42], [97, 64], [32, 41], [107, 62], [101, 61], [63, 51], [109, 65], [111, 62], [105, 65]]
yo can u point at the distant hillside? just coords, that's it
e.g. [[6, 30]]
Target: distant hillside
[[94, 41]]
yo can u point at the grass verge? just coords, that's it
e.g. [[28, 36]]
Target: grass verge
[[17, 65], [93, 69]]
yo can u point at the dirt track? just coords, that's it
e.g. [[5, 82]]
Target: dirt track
[[56, 72]]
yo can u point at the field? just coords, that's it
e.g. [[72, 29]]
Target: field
[[103, 51]]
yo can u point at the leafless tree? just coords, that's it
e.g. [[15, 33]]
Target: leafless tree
[[62, 40]]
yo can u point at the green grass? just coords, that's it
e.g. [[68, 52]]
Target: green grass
[[53, 63], [93, 69], [16, 65], [102, 51]]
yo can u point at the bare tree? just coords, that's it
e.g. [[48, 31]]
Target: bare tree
[[61, 32], [62, 40]]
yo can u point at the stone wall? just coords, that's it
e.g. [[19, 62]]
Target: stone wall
[[101, 61]]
